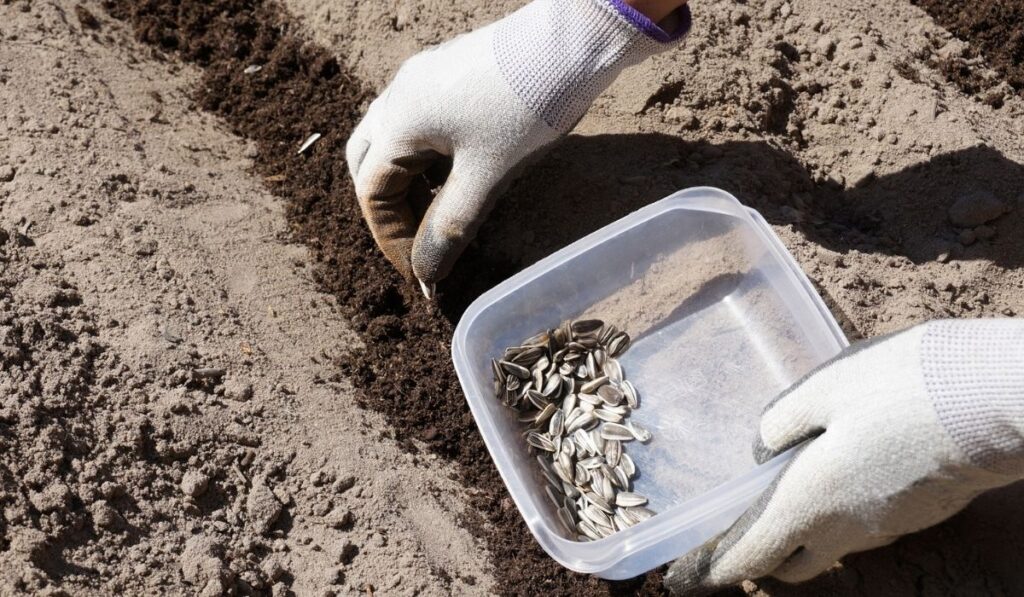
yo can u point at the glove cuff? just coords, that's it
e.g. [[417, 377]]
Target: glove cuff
[[559, 55], [974, 375]]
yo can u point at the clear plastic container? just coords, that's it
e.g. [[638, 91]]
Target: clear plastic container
[[722, 320]]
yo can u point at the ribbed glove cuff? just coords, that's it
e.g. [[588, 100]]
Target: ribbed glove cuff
[[974, 374], [559, 55]]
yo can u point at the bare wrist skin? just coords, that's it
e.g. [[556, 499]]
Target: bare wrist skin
[[657, 10]]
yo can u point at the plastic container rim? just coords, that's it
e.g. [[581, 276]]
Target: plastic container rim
[[612, 550]]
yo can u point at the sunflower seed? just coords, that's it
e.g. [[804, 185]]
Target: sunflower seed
[[586, 326], [514, 369], [618, 344], [536, 399], [552, 478], [546, 414], [562, 473], [581, 422], [527, 416], [621, 522], [569, 389], [607, 415], [628, 499], [556, 424], [551, 385], [529, 356], [620, 478], [613, 370], [588, 529], [598, 501], [553, 496], [640, 513], [310, 140], [616, 432], [499, 373], [612, 452], [620, 409], [582, 475], [568, 404], [627, 466], [641, 434], [596, 516], [540, 442], [632, 397], [610, 395], [536, 340], [591, 386], [584, 442], [566, 518]]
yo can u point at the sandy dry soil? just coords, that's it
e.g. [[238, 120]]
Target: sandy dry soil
[[171, 414], [165, 423]]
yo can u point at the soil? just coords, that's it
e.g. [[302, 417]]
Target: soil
[[993, 29], [183, 373], [168, 421]]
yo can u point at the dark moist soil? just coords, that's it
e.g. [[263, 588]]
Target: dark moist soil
[[405, 372], [993, 28]]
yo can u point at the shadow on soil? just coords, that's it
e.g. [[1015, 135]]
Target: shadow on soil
[[589, 181]]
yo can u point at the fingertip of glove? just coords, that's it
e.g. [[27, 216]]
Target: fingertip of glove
[[688, 575]]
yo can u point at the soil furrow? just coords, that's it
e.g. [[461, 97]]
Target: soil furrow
[[992, 27], [405, 370]]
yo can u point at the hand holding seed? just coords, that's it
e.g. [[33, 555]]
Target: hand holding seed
[[486, 100]]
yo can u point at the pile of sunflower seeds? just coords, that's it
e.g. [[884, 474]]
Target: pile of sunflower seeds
[[570, 390]]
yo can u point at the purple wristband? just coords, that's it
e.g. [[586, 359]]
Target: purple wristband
[[649, 27]]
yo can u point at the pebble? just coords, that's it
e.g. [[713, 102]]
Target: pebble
[[195, 483], [975, 208], [968, 237], [262, 506], [273, 569], [340, 518], [826, 46], [104, 515], [236, 389], [344, 483], [53, 498], [7, 173], [683, 116]]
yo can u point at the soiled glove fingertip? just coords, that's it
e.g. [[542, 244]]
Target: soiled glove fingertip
[[688, 576]]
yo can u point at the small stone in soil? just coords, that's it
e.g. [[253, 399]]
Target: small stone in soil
[[194, 483], [975, 208], [262, 507]]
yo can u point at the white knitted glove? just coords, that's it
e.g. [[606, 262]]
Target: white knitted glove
[[904, 431], [487, 99]]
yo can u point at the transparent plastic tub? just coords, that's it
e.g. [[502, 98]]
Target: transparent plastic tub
[[722, 320]]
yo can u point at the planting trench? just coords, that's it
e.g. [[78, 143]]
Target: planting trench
[[405, 370]]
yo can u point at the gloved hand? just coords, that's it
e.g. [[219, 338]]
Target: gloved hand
[[487, 99], [904, 431]]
